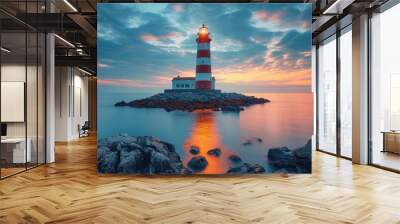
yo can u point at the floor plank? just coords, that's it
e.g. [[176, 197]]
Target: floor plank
[[71, 191]]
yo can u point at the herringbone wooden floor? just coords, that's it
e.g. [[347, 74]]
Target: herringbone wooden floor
[[70, 191]]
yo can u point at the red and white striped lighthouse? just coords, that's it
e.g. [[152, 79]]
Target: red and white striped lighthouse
[[203, 60]]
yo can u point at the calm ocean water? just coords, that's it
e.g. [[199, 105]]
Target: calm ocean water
[[286, 121]]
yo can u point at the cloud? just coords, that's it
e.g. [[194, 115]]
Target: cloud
[[284, 19], [178, 7], [264, 15], [151, 43], [149, 38], [128, 83], [107, 33], [135, 22], [102, 65]]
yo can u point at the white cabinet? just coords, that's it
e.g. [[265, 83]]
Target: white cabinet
[[19, 155]]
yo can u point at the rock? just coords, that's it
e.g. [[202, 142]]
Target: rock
[[303, 152], [160, 163], [256, 168], [121, 104], [107, 160], [198, 163], [247, 168], [131, 161], [292, 161], [235, 159], [214, 152], [282, 158], [194, 150], [139, 155], [303, 157], [247, 143], [232, 108]]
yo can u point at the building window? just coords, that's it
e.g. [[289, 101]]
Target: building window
[[385, 89], [346, 93], [326, 98]]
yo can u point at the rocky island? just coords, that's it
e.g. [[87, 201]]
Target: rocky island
[[195, 100]]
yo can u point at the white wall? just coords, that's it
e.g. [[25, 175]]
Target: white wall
[[71, 102], [190, 83]]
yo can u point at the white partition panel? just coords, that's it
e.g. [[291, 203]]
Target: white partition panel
[[12, 101]]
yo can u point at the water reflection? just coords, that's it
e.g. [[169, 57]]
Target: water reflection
[[205, 135]]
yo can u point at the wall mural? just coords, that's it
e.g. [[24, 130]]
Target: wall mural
[[191, 88]]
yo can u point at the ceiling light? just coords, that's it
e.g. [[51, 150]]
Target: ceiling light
[[64, 40], [84, 71], [70, 5], [333, 6], [5, 50], [337, 7]]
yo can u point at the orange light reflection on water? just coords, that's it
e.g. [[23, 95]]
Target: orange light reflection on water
[[205, 135]]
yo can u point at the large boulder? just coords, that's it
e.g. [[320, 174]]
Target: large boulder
[[235, 159], [292, 161], [139, 155], [198, 163]]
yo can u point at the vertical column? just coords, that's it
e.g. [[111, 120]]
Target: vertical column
[[360, 89], [50, 92], [314, 91]]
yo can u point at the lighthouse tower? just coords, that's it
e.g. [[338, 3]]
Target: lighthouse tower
[[204, 78]]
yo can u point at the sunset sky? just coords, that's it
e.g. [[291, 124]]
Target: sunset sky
[[254, 47]]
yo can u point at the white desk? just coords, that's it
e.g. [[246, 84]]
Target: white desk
[[19, 153]]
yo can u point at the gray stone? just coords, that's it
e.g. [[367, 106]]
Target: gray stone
[[235, 159], [247, 143], [198, 163], [194, 150]]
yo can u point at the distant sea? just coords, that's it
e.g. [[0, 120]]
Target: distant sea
[[286, 121]]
